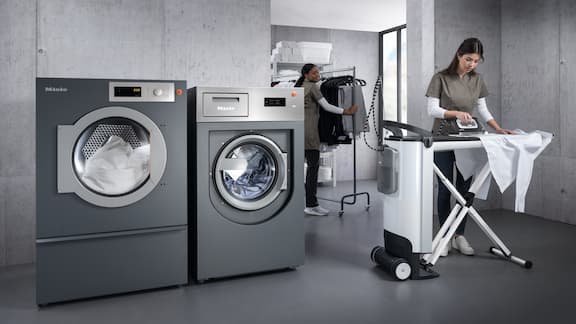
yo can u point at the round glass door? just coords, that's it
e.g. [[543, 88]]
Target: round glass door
[[250, 172], [112, 156]]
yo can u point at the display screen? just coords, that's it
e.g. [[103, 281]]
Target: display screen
[[127, 91], [274, 102]]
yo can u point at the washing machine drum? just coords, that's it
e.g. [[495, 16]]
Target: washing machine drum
[[111, 164], [250, 172]]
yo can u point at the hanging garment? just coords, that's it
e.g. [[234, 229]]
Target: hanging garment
[[511, 157], [345, 100], [330, 126], [331, 86]]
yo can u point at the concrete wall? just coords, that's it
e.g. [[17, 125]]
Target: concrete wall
[[223, 42], [17, 135], [206, 42], [350, 48], [538, 82], [420, 27]]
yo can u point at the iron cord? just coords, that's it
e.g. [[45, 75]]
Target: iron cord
[[372, 112]]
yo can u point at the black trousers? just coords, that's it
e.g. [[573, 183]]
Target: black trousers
[[313, 161], [445, 161]]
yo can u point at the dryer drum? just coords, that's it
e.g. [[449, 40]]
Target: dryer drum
[[112, 156]]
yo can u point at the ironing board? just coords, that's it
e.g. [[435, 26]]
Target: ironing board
[[464, 206], [405, 179]]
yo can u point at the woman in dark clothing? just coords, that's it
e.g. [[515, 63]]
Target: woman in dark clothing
[[313, 100]]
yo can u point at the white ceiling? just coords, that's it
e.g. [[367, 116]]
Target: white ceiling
[[364, 15]]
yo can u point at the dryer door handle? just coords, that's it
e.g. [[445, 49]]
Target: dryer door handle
[[285, 181]]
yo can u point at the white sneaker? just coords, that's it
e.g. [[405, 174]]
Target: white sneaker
[[316, 211], [445, 250], [461, 244], [322, 209]]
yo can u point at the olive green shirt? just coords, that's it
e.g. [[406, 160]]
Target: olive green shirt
[[312, 95], [456, 93]]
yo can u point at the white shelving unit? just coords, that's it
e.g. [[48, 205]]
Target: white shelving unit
[[293, 55], [296, 66]]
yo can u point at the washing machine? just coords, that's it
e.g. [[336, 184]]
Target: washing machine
[[111, 164], [249, 194]]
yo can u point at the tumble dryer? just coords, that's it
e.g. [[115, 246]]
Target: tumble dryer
[[249, 190], [111, 165]]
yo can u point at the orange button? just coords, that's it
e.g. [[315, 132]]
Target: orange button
[[179, 92], [294, 93]]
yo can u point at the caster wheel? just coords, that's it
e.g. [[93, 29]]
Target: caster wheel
[[340, 213], [367, 207], [397, 267]]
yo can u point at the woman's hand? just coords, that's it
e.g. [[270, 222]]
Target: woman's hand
[[350, 110], [504, 131], [464, 117]]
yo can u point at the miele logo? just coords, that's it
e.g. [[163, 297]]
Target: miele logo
[[225, 108], [55, 89]]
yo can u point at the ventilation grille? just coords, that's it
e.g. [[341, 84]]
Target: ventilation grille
[[103, 132]]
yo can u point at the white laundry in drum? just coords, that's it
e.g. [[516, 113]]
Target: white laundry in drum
[[116, 168]]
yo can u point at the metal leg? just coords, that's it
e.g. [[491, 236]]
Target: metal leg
[[446, 239], [441, 233], [488, 231], [442, 238], [353, 195], [444, 229], [521, 262]]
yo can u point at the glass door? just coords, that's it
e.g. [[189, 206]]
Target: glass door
[[250, 172]]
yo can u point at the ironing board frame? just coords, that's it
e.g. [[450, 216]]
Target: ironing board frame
[[463, 208]]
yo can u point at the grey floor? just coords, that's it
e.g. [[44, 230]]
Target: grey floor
[[339, 284]]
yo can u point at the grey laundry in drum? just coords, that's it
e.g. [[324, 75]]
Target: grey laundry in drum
[[257, 177]]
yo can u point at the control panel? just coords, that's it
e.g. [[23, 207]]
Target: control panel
[[141, 91]]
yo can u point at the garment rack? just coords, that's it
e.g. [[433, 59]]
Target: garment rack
[[352, 68], [355, 193]]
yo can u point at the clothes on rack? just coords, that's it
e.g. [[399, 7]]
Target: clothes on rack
[[331, 129], [331, 85], [345, 100], [331, 126]]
